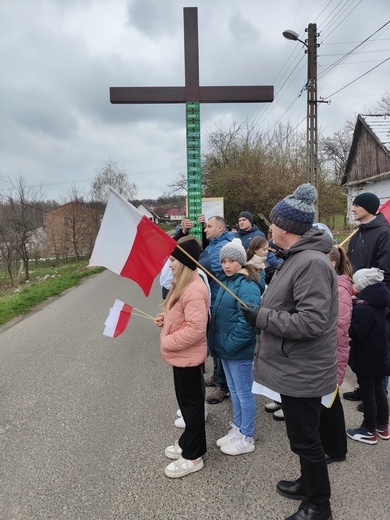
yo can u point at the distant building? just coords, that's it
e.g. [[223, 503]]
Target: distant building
[[148, 212], [368, 165], [71, 230], [175, 214]]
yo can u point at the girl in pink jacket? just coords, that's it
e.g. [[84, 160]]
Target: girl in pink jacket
[[332, 424], [183, 345]]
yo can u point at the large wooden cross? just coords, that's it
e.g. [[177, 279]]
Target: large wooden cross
[[192, 94]]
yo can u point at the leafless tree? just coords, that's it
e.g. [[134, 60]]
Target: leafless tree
[[335, 151], [23, 216], [71, 229], [253, 171], [383, 105], [110, 174], [179, 185]]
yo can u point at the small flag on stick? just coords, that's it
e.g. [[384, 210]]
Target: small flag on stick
[[129, 244], [118, 319]]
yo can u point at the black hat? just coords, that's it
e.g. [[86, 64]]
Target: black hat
[[247, 215], [192, 247], [368, 201]]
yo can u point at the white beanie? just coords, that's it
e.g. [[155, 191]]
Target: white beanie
[[234, 250], [365, 277]]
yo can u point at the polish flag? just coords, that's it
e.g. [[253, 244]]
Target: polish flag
[[130, 244], [385, 210], [118, 319]]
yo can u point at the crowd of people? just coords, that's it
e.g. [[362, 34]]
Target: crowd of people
[[282, 317]]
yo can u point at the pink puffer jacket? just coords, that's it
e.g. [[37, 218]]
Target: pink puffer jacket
[[183, 337], [343, 323]]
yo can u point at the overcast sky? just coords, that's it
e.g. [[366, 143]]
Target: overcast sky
[[59, 57]]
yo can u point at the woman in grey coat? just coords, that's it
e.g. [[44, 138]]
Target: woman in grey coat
[[295, 354]]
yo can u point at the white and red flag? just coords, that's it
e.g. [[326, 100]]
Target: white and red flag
[[118, 319], [130, 244], [385, 210]]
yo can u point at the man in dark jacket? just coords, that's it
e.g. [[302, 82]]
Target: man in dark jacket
[[295, 358], [247, 230], [369, 247]]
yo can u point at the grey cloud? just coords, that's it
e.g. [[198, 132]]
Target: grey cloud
[[243, 31], [153, 18]]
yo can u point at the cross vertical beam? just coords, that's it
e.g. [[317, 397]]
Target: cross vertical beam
[[192, 94]]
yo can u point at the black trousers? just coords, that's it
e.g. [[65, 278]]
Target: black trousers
[[190, 393], [332, 429], [375, 403], [302, 415]]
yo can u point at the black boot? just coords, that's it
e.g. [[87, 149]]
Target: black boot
[[291, 489], [311, 512]]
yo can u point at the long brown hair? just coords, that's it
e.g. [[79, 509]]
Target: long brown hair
[[342, 264], [253, 273], [255, 244]]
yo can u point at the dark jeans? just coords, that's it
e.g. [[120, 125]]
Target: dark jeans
[[218, 376], [189, 388], [374, 397], [332, 429], [302, 415]]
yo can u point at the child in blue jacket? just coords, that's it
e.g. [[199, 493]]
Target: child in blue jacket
[[231, 340]]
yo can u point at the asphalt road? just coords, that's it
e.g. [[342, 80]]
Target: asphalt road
[[84, 421]]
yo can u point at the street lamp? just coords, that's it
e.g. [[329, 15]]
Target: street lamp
[[312, 103]]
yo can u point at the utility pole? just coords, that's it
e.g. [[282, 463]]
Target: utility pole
[[312, 105]]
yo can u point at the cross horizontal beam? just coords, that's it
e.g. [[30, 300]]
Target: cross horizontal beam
[[191, 91], [160, 95]]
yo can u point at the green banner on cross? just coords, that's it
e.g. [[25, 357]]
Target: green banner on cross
[[194, 166]]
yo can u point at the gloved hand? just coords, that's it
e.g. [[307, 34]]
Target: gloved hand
[[250, 315]]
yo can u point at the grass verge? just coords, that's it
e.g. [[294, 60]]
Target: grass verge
[[45, 283]]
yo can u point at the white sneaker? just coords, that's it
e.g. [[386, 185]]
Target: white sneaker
[[183, 467], [179, 423], [238, 445], [278, 415], [232, 432], [173, 452], [272, 407]]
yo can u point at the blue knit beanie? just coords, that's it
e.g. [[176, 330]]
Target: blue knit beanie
[[295, 213]]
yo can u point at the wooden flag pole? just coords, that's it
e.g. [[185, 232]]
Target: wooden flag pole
[[212, 276], [349, 237], [145, 315]]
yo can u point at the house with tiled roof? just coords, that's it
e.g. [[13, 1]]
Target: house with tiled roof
[[175, 214], [368, 165]]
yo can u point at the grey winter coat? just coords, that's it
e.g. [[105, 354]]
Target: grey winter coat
[[295, 352]]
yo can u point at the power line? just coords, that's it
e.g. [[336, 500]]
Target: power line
[[349, 53], [354, 81], [342, 20]]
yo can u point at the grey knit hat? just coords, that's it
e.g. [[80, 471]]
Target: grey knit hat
[[234, 250], [295, 213], [365, 277]]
